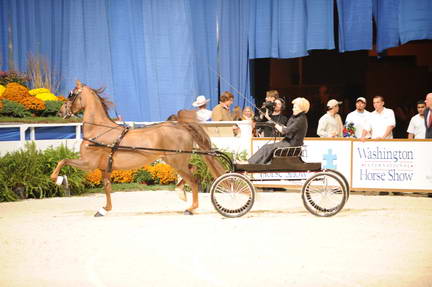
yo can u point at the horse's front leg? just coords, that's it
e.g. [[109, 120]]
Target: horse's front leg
[[78, 163], [107, 188]]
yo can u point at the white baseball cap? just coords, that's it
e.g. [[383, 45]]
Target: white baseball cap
[[333, 103], [200, 101], [361, 99]]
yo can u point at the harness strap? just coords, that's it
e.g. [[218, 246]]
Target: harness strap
[[114, 148]]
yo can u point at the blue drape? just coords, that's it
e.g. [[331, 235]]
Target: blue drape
[[320, 23], [288, 29], [203, 16], [386, 15], [415, 20], [233, 50], [355, 25], [155, 56]]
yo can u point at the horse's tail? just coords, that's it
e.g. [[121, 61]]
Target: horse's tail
[[188, 120]]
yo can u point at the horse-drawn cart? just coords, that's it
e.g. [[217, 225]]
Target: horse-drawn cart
[[323, 191], [109, 146]]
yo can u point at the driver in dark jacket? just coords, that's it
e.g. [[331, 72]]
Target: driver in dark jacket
[[294, 133]]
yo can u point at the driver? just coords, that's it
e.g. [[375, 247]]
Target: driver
[[294, 133]]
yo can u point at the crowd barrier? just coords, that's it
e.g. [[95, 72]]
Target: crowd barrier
[[372, 165]]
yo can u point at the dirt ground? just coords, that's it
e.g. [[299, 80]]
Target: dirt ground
[[147, 241]]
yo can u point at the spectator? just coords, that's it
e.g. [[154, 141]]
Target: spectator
[[330, 124], [359, 117], [221, 112], [381, 122], [417, 128], [428, 116], [237, 113], [294, 133], [248, 114], [270, 98], [203, 114], [271, 117]]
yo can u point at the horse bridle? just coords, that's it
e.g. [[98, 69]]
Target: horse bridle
[[72, 97]]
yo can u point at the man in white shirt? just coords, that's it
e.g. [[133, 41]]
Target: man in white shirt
[[416, 128], [202, 113], [381, 122], [359, 118], [330, 124]]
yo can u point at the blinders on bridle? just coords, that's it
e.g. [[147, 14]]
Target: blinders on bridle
[[72, 97]]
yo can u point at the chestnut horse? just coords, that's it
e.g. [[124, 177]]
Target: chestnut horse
[[102, 136]]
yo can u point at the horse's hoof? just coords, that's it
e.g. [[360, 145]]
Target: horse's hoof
[[187, 212], [100, 212]]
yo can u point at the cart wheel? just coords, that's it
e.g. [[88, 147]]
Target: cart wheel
[[343, 178], [324, 194], [232, 195]]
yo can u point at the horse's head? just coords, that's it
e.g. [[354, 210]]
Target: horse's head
[[74, 103]]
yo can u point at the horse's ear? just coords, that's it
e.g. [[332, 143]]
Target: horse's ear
[[78, 84]]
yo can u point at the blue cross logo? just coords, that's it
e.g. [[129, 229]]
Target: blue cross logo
[[329, 158]]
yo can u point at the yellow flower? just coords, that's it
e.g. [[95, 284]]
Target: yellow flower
[[46, 97], [2, 89], [39, 91]]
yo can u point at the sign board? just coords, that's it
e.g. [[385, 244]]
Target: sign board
[[392, 165]]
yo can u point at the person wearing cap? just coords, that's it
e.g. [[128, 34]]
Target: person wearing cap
[[293, 132], [359, 117], [330, 124], [381, 121], [203, 114], [221, 112], [416, 127]]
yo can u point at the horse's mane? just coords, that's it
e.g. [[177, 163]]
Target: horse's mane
[[106, 104]]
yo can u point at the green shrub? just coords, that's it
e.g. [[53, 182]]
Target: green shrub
[[51, 108], [14, 109], [202, 173], [25, 173], [143, 176]]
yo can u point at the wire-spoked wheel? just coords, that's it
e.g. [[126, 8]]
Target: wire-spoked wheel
[[324, 194], [232, 195]]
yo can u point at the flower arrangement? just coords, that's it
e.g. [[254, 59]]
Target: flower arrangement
[[122, 176], [12, 77], [20, 94], [160, 173], [34, 92], [349, 130], [2, 89], [47, 97], [94, 177]]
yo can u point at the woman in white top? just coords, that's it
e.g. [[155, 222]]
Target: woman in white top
[[330, 124], [203, 114]]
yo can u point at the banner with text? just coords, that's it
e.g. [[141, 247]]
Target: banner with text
[[392, 165]]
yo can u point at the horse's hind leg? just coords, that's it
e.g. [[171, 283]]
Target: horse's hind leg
[[180, 164], [107, 188]]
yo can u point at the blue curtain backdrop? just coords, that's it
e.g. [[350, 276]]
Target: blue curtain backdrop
[[233, 23], [355, 25], [386, 15], [415, 20], [203, 14], [155, 56]]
